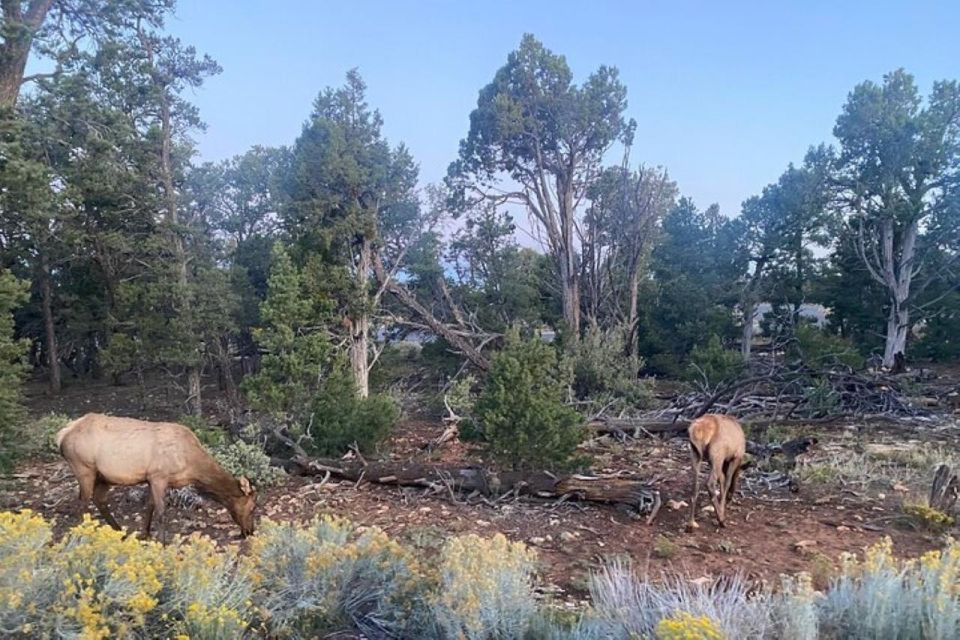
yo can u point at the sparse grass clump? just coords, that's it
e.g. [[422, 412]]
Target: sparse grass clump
[[926, 517], [664, 547]]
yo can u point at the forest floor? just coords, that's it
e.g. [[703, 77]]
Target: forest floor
[[852, 489]]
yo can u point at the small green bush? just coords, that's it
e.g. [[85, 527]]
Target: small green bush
[[38, 438], [602, 371], [818, 348], [340, 418], [249, 460], [714, 364], [521, 412], [206, 433]]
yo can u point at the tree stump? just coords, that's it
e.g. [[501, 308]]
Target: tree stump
[[945, 490]]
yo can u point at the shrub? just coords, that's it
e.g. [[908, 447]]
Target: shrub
[[208, 591], [713, 364], [627, 606], [38, 438], [339, 418], [13, 293], [244, 459], [334, 576], [603, 371], [485, 589], [881, 597], [206, 433], [818, 348], [684, 626], [795, 610], [521, 411]]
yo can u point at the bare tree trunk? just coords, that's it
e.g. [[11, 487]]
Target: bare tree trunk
[[19, 30], [46, 302], [359, 354], [569, 275], [633, 314], [360, 325], [898, 325], [746, 343]]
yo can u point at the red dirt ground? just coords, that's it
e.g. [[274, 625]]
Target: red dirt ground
[[760, 540]]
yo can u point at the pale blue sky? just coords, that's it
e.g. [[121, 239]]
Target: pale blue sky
[[725, 93]]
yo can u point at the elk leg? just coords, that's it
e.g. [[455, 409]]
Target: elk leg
[[714, 484], [158, 489], [733, 473], [697, 466], [100, 491], [148, 515]]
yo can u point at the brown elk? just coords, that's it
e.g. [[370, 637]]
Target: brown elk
[[105, 451], [720, 440]]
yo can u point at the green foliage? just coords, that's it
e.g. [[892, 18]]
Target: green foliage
[[38, 438], [297, 348], [713, 364], [521, 411], [339, 418], [244, 459], [819, 349], [13, 293], [602, 372]]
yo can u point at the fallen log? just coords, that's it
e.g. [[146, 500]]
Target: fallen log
[[620, 490]]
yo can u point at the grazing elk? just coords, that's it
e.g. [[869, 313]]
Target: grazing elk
[[720, 440], [105, 451]]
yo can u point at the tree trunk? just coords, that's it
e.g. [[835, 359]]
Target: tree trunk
[[226, 372], [359, 354], [633, 314], [19, 30], [360, 325], [746, 342], [569, 275], [898, 325], [46, 298]]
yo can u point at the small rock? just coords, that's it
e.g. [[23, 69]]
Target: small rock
[[483, 523], [803, 546], [699, 582], [537, 541], [425, 509], [566, 536], [841, 527], [901, 488], [676, 505], [881, 496], [707, 509]]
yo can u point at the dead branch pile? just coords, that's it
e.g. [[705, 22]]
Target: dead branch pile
[[775, 391]]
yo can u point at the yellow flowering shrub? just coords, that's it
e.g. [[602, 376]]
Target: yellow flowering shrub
[[686, 626], [334, 575], [485, 588], [27, 580], [209, 590]]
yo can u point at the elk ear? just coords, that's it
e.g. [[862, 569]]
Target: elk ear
[[245, 486]]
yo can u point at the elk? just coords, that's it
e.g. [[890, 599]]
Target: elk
[[720, 440], [106, 451]]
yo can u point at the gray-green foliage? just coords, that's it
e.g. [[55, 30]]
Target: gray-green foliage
[[522, 413], [604, 372], [244, 459]]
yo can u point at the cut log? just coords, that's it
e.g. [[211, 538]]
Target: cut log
[[630, 491]]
